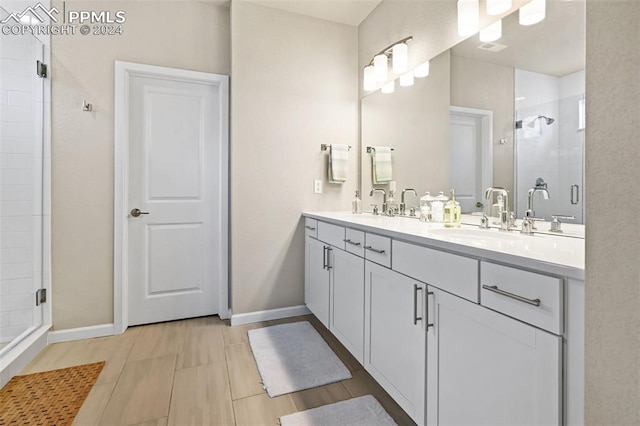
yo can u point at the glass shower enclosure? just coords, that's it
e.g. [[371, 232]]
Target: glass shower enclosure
[[22, 156]]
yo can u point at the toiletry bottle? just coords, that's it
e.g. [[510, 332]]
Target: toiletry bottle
[[425, 207], [496, 210], [356, 205], [392, 206], [452, 212], [437, 208]]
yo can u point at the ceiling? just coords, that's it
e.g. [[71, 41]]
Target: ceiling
[[555, 46], [350, 12]]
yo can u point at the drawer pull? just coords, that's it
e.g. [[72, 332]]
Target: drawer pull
[[374, 250], [416, 318], [495, 289], [310, 228], [352, 243]]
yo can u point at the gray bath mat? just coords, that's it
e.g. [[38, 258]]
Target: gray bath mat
[[363, 411], [293, 357]]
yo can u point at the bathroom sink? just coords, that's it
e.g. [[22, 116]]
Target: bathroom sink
[[475, 234]]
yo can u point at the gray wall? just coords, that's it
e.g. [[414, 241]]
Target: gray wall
[[612, 355], [294, 86]]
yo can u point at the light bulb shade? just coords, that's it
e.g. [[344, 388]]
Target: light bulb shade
[[400, 58], [406, 79], [533, 12], [492, 33], [422, 70], [468, 17], [496, 7], [389, 87], [369, 81], [380, 67]]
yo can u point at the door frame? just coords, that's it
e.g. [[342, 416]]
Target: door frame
[[123, 73], [486, 136]]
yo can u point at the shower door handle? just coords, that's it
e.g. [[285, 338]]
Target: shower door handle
[[575, 194]]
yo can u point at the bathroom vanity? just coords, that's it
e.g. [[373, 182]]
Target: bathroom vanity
[[459, 326]]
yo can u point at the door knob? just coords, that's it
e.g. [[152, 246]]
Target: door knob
[[137, 212]]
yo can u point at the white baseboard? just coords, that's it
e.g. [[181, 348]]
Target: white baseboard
[[272, 314], [18, 357], [80, 333]]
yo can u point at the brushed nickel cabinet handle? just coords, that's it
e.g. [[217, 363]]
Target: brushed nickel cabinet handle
[[329, 250], [352, 243], [324, 257], [374, 250], [310, 228], [495, 289], [429, 293]]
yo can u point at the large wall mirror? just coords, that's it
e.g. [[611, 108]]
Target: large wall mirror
[[509, 113]]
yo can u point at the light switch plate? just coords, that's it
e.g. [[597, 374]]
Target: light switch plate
[[317, 187]]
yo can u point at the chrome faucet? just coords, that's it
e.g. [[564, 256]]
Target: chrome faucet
[[403, 206], [384, 198], [507, 218], [530, 212]]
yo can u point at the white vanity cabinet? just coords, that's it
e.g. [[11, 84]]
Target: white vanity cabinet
[[487, 368], [316, 282], [395, 336]]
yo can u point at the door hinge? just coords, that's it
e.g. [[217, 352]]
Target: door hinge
[[41, 69], [41, 296]]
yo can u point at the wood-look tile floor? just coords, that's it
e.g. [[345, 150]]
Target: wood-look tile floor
[[195, 372]]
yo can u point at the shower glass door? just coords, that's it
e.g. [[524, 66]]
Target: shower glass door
[[21, 186], [549, 147]]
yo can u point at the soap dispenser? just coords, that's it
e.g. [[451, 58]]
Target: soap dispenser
[[356, 205], [452, 212]]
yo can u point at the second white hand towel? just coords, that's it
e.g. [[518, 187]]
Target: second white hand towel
[[382, 170]]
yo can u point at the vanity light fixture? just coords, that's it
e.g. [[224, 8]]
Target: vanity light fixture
[[421, 70], [389, 87], [380, 67], [377, 71], [369, 81], [406, 79], [492, 33], [533, 12], [468, 17], [496, 7]]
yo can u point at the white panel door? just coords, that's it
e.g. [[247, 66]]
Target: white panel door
[[175, 174], [316, 294], [466, 161], [347, 301], [484, 368], [395, 336]]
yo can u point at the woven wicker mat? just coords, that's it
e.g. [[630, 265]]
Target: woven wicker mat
[[47, 398]]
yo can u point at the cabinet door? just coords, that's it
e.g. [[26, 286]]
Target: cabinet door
[[395, 336], [316, 294], [347, 301], [486, 368]]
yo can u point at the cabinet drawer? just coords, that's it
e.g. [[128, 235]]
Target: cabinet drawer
[[449, 272], [533, 298], [311, 227], [378, 249], [354, 242], [331, 234]]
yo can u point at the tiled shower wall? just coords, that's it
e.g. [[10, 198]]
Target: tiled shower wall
[[21, 168]]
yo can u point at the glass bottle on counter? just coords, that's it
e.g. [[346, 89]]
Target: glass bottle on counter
[[425, 207], [452, 212], [356, 205], [437, 207]]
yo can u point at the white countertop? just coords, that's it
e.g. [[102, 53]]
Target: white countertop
[[563, 256]]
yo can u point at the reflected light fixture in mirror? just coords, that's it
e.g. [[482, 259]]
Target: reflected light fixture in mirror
[[492, 33], [496, 7], [389, 87], [468, 17], [422, 70], [533, 12], [406, 79]]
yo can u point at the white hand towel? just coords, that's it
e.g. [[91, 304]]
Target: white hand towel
[[382, 170], [338, 163]]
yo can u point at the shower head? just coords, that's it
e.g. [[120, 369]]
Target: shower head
[[547, 119]]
